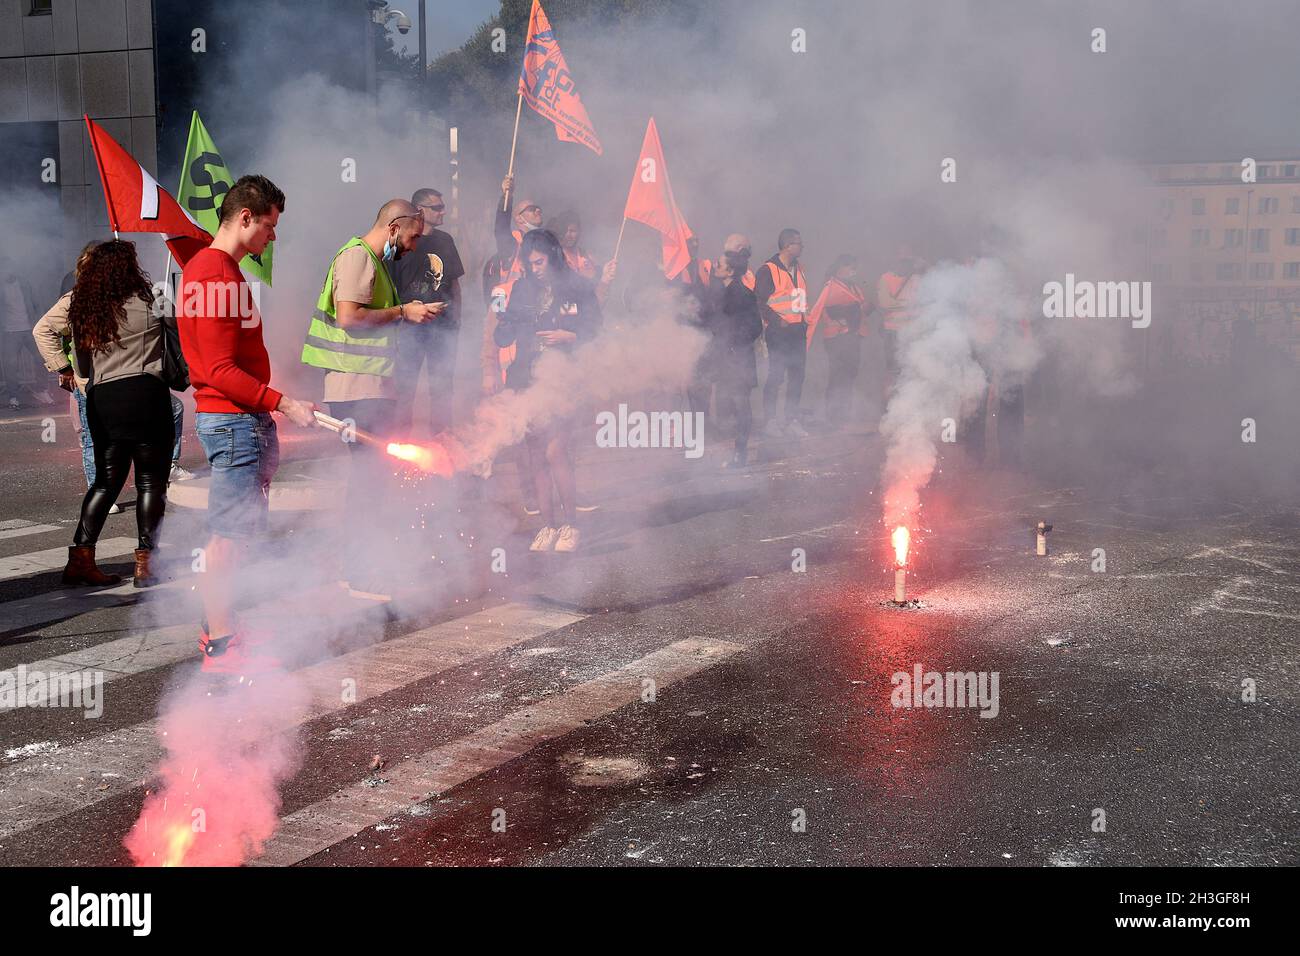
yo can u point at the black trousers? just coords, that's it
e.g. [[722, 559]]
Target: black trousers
[[843, 357], [435, 343], [131, 426], [734, 400], [786, 356]]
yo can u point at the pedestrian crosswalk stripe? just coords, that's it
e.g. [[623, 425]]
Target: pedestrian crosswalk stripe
[[314, 828], [48, 785], [61, 603], [23, 528], [53, 559]]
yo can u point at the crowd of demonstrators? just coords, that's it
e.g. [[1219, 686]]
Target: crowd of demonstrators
[[430, 273], [19, 310], [783, 302], [354, 336], [550, 306], [230, 371], [117, 355], [839, 319]]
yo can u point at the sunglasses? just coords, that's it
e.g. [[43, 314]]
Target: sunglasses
[[531, 209], [438, 208]]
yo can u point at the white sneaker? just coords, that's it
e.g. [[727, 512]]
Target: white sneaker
[[545, 540], [14, 403], [774, 429], [568, 539], [116, 509], [797, 430], [178, 473], [43, 396]]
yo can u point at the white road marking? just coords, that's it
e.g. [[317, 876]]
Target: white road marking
[[45, 787], [18, 528], [314, 828], [52, 559]]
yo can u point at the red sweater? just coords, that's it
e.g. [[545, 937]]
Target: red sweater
[[229, 367]]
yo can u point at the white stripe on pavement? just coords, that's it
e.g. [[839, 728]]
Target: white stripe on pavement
[[47, 785], [37, 562], [57, 605], [314, 828], [18, 528]]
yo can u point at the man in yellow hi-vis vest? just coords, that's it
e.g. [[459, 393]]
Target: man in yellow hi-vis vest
[[353, 337], [783, 303]]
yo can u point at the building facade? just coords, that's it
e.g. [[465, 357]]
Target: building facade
[[1225, 255]]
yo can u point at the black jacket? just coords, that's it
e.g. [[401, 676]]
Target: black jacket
[[730, 315], [573, 308]]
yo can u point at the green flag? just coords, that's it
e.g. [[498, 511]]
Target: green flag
[[204, 183]]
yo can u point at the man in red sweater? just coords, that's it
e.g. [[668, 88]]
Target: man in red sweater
[[221, 336]]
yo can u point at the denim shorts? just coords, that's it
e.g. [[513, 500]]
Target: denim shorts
[[244, 452]]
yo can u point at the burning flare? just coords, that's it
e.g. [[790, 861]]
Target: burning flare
[[901, 538], [436, 461]]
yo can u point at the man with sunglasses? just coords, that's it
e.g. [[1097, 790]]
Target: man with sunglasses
[[354, 337], [429, 273]]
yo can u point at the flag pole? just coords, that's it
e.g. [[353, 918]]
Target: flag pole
[[505, 200], [619, 244]]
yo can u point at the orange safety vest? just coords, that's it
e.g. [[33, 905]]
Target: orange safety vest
[[580, 263], [789, 299], [706, 275], [896, 296]]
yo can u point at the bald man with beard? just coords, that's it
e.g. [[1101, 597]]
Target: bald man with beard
[[353, 337]]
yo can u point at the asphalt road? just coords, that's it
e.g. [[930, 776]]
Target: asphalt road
[[678, 693]]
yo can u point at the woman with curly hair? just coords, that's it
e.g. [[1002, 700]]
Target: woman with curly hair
[[118, 349]]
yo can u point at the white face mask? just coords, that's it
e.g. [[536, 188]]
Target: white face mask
[[390, 248]]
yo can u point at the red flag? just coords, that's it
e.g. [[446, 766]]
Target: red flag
[[546, 86], [650, 200], [136, 203]]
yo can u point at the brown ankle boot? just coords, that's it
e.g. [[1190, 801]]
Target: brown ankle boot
[[81, 568], [144, 577]]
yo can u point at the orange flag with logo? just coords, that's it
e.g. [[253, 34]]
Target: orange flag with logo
[[547, 86], [650, 201]]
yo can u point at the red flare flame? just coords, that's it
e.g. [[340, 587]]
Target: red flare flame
[[434, 461], [901, 538]]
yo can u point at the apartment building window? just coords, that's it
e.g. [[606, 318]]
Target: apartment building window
[[1266, 204], [1196, 271], [1232, 238], [1289, 170], [1200, 237], [1295, 203], [1165, 208], [1198, 207], [1265, 172], [1261, 270], [1259, 240], [1227, 271], [1159, 238], [1291, 270], [1228, 172], [1232, 207], [1293, 237], [40, 7]]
